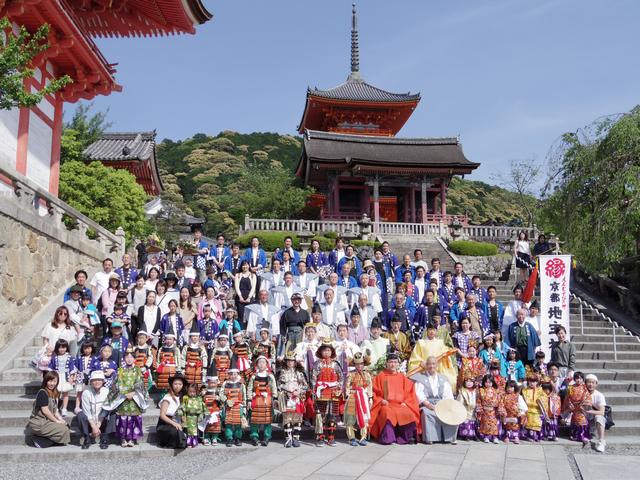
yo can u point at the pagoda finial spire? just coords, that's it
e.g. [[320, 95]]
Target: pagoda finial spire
[[355, 49]]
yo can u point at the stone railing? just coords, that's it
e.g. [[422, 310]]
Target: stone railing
[[399, 228], [28, 203], [494, 233], [348, 227]]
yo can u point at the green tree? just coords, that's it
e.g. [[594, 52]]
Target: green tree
[[111, 197], [83, 129], [17, 53], [595, 207]]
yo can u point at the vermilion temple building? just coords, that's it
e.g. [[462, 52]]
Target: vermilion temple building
[[357, 165], [30, 138]]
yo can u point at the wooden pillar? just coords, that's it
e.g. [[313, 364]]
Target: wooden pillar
[[376, 200], [336, 196], [405, 205], [412, 205], [365, 201], [423, 200], [443, 198]]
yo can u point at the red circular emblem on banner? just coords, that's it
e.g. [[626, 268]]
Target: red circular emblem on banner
[[554, 268]]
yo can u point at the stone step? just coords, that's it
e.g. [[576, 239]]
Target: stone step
[[17, 387], [22, 362], [618, 386], [595, 337], [621, 375], [31, 351], [625, 427], [625, 355], [606, 346], [73, 453], [626, 412], [623, 398], [22, 374], [19, 418], [621, 365]]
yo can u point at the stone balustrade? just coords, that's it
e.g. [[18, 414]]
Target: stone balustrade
[[38, 253]]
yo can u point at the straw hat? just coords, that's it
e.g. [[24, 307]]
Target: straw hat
[[451, 412]]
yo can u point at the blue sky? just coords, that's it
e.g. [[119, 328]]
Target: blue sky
[[508, 76]]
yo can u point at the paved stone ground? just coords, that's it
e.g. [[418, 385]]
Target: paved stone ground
[[414, 462]]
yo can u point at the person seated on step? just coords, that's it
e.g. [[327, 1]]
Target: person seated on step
[[47, 426], [595, 413], [94, 421]]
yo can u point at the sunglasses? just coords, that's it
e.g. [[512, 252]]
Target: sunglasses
[[63, 314]]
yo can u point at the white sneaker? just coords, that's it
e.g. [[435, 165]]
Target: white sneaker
[[64, 412], [496, 441], [486, 440], [600, 446]]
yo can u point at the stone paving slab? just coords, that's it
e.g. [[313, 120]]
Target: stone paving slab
[[606, 467], [406, 462]]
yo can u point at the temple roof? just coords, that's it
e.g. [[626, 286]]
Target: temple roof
[[156, 206], [361, 91], [122, 146], [365, 153]]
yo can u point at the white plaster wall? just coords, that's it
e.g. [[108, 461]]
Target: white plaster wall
[[39, 151], [9, 136]]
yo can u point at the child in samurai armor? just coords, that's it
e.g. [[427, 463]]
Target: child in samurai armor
[[552, 414], [515, 410], [144, 357], [326, 379], [357, 410], [265, 348], [169, 361], [261, 395], [211, 425], [192, 410], [242, 355], [292, 386], [235, 396], [467, 397], [220, 362], [194, 358], [535, 399]]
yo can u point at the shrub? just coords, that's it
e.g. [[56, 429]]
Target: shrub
[[326, 244], [365, 243], [331, 235], [269, 241], [469, 247]]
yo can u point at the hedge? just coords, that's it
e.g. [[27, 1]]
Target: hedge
[[471, 248], [269, 241]]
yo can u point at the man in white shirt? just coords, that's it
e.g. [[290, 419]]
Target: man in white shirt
[[372, 294], [339, 292], [432, 387], [595, 414], [262, 314], [306, 281], [420, 283], [94, 422], [332, 312], [367, 312], [418, 261], [282, 295], [100, 281], [345, 349]]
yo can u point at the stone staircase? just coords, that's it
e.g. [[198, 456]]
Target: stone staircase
[[430, 247]]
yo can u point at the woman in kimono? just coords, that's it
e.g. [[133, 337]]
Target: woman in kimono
[[489, 408], [131, 399], [316, 259]]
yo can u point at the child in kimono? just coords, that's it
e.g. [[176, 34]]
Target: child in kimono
[[515, 409], [194, 358], [169, 362], [261, 395], [65, 365], [553, 407], [265, 348], [103, 362], [494, 371], [357, 409], [43, 358], [213, 399], [467, 396], [471, 365], [512, 368], [540, 367], [130, 390], [83, 367], [576, 402], [235, 396], [534, 397], [292, 387], [192, 409], [144, 357], [489, 408]]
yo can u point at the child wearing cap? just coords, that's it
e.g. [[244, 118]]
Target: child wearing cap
[[211, 425], [144, 358], [221, 358], [241, 355], [292, 388], [169, 361], [235, 396], [261, 395], [265, 347], [117, 342], [194, 358]]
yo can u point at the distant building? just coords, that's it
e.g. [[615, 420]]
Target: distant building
[[133, 151], [156, 208], [358, 166]]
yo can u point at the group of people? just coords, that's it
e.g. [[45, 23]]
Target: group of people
[[231, 342]]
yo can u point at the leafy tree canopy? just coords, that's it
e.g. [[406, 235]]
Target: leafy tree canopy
[[110, 197], [17, 53], [83, 129]]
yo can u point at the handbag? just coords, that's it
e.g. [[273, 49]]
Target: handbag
[[608, 417]]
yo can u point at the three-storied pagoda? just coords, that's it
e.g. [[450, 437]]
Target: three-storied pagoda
[[30, 137], [358, 166]]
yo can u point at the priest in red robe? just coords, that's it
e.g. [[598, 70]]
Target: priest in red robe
[[395, 415]]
